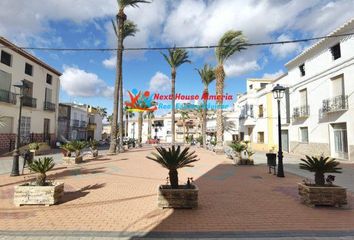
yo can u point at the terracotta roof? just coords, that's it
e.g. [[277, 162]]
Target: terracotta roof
[[27, 55]]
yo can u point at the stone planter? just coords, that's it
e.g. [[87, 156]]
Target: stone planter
[[322, 195], [26, 194], [245, 162], [94, 153], [178, 198], [72, 160]]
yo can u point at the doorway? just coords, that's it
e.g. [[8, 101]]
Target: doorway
[[339, 140], [285, 140], [46, 134]]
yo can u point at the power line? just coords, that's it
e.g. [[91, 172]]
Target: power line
[[175, 47]]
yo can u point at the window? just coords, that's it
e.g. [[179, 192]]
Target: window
[[302, 70], [5, 81], [28, 69], [48, 95], [235, 137], [242, 136], [25, 129], [263, 85], [304, 134], [6, 58], [251, 86], [335, 50], [49, 79], [260, 137], [303, 97], [260, 111], [7, 125], [337, 85]]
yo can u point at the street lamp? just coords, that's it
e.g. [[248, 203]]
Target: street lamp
[[15, 162], [278, 94]]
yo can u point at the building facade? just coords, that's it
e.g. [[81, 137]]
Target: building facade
[[40, 97]]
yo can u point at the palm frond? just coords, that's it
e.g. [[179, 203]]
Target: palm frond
[[42, 165], [229, 43], [129, 29], [176, 57], [207, 74], [320, 165], [130, 3]]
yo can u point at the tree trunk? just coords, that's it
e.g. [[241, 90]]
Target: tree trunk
[[40, 180], [120, 18], [319, 179], [220, 75], [140, 128], [126, 123], [120, 107], [173, 80], [149, 125], [204, 115], [173, 174]]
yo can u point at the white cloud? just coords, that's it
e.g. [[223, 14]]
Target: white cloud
[[239, 68], [273, 75], [110, 63], [283, 50], [159, 83], [79, 83]]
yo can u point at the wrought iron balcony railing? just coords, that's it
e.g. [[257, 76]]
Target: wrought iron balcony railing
[[338, 103], [29, 101], [48, 106], [75, 123], [8, 97], [301, 112]]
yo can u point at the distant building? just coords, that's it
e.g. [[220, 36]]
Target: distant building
[[40, 100]]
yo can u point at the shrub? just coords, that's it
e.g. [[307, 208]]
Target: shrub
[[238, 147], [33, 146], [42, 167], [173, 159], [320, 166]]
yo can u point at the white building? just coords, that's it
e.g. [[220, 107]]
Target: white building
[[40, 100], [317, 110]]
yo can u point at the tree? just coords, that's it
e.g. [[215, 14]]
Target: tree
[[207, 75], [175, 58], [230, 43], [140, 128], [184, 116], [128, 115], [122, 32], [102, 111], [149, 115]]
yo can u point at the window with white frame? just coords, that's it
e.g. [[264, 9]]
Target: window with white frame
[[304, 134], [25, 128]]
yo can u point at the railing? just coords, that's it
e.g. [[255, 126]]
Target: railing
[[49, 106], [338, 103], [75, 123], [6, 96], [29, 101], [301, 112], [83, 124], [245, 116]]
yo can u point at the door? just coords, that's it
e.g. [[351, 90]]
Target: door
[[285, 140], [46, 127], [340, 140]]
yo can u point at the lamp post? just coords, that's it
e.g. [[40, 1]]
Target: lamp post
[[278, 94], [15, 162]]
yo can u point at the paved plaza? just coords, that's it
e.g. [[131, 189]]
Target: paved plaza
[[115, 197]]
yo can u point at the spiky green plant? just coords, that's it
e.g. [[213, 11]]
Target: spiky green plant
[[238, 148], [77, 146], [175, 58], [320, 166], [173, 159], [42, 167], [33, 146]]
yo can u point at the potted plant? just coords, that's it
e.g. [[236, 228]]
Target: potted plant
[[73, 148], [320, 192], [238, 147], [33, 147], [40, 191], [175, 195], [93, 148]]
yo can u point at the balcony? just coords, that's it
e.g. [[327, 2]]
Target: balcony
[[83, 124], [29, 101], [48, 106], [8, 97], [336, 104], [75, 123], [301, 112]]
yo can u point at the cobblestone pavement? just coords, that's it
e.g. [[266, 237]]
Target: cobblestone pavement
[[115, 197]]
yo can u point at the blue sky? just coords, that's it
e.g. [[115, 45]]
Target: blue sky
[[88, 77]]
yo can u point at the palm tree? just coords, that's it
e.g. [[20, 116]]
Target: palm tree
[[173, 159], [42, 167], [121, 33], [230, 43], [140, 128], [184, 116], [175, 58], [149, 115], [320, 166], [102, 111], [128, 115], [207, 75]]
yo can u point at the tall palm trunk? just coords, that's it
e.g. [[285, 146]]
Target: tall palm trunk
[[120, 111], [319, 178], [173, 92], [126, 123], [204, 115], [149, 125], [220, 75], [140, 128], [121, 17]]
